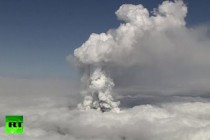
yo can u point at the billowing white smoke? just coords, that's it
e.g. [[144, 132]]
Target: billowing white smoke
[[117, 47], [100, 86]]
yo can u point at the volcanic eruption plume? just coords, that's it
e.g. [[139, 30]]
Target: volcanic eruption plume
[[150, 40], [100, 92], [116, 47]]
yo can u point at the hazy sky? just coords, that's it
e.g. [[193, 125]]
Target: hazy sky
[[37, 35]]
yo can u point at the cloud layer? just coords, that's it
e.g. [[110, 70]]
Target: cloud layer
[[174, 121]]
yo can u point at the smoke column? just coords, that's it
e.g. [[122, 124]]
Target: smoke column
[[118, 47], [99, 95]]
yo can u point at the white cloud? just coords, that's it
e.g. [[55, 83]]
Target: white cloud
[[155, 52], [174, 121]]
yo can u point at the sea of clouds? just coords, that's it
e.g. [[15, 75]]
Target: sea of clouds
[[48, 119], [156, 66]]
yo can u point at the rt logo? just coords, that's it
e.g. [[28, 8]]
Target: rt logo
[[14, 124]]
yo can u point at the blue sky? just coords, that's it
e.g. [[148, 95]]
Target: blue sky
[[37, 35]]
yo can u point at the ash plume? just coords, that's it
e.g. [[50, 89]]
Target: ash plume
[[118, 46], [154, 51], [100, 88]]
